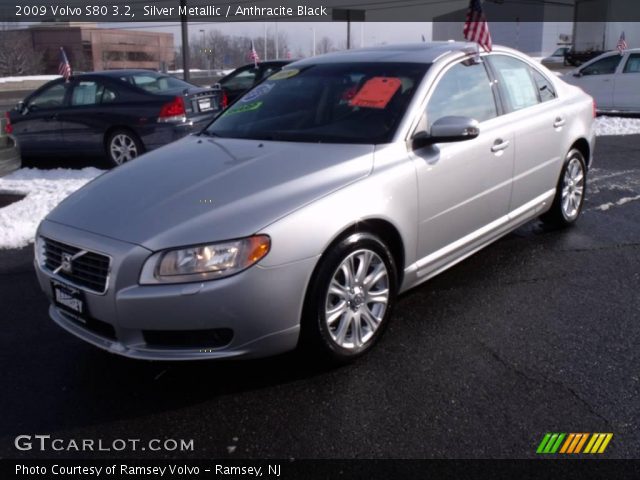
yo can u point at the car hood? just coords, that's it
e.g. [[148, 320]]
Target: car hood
[[203, 189]]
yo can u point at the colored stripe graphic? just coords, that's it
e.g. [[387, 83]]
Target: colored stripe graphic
[[603, 447], [582, 442], [543, 443], [572, 443]]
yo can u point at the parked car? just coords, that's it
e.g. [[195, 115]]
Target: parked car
[[242, 79], [9, 152], [557, 57], [118, 113], [612, 79], [301, 212]]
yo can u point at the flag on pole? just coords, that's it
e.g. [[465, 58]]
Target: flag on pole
[[476, 28], [65, 67], [622, 43], [253, 55]]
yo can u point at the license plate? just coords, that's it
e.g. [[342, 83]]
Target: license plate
[[69, 298], [205, 104]]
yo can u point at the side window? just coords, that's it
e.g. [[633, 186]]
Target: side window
[[243, 80], [464, 90], [633, 64], [515, 78], [544, 86], [52, 97], [91, 93], [605, 66]]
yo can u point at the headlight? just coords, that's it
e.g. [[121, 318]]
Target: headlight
[[38, 250], [204, 262]]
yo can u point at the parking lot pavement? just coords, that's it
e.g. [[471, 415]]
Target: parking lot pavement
[[537, 333]]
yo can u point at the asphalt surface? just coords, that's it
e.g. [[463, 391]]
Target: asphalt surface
[[537, 333]]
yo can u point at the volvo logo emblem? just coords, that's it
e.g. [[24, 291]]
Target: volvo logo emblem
[[66, 262]]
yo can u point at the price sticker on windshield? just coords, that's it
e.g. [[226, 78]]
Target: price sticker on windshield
[[376, 92]]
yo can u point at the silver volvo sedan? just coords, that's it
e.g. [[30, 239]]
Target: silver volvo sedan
[[300, 213]]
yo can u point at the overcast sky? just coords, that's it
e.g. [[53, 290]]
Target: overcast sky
[[300, 34]]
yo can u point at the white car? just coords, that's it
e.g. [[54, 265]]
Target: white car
[[556, 58], [612, 79]]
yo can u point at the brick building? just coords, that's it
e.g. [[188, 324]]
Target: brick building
[[90, 48]]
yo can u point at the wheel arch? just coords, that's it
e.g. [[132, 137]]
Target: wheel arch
[[582, 145], [384, 229]]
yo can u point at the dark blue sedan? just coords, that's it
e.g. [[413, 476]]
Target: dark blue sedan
[[118, 113]]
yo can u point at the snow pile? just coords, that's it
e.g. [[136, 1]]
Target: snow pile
[[44, 78], [617, 126], [44, 189]]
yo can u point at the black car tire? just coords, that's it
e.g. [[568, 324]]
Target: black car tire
[[318, 337], [563, 214], [122, 146]]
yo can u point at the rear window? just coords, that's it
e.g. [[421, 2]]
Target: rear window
[[332, 103], [154, 83]]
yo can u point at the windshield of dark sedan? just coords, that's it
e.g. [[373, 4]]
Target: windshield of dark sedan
[[333, 103]]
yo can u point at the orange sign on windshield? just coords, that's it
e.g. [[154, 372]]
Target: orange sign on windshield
[[376, 92]]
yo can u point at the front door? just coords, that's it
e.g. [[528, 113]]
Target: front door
[[463, 186]]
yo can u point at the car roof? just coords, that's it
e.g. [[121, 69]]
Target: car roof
[[120, 73], [425, 52]]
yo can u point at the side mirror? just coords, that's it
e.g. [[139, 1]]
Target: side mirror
[[447, 129], [577, 74], [20, 106]]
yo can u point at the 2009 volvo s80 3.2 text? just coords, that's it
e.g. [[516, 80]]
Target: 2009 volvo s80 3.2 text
[[299, 214]]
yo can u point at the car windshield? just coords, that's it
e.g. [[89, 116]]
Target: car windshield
[[332, 103], [154, 83]]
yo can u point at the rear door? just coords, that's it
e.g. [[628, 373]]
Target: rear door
[[626, 95], [89, 113], [537, 119]]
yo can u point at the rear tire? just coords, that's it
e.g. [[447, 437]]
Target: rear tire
[[349, 300], [122, 146], [570, 192]]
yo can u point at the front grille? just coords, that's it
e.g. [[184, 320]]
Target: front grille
[[89, 271]]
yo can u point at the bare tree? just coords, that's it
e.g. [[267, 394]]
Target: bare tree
[[17, 56], [325, 45]]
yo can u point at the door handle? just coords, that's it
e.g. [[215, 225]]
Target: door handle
[[499, 145], [559, 122]]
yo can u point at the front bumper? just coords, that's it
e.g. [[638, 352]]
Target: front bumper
[[260, 306]]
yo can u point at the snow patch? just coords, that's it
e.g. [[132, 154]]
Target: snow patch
[[44, 78], [44, 189], [617, 126]]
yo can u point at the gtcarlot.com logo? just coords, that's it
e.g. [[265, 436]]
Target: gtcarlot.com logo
[[45, 443], [574, 443]]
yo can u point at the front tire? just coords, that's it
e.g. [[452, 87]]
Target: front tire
[[350, 299], [569, 200], [122, 146]]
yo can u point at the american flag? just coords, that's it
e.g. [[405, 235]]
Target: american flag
[[253, 55], [65, 68], [476, 28], [622, 43]]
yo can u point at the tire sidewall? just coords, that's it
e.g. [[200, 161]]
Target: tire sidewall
[[314, 327], [573, 154]]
